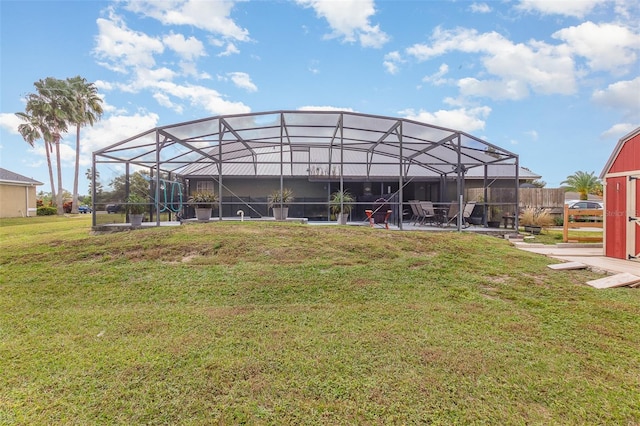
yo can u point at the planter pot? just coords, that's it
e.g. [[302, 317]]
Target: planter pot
[[203, 215], [280, 213], [136, 219], [342, 218], [475, 220], [535, 230]]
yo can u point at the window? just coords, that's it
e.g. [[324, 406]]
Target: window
[[204, 186]]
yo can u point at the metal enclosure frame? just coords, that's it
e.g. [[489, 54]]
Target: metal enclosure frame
[[338, 145]]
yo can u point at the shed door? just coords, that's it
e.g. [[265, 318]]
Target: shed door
[[616, 221], [633, 225]]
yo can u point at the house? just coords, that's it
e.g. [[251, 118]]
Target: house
[[17, 194], [621, 178], [245, 157]]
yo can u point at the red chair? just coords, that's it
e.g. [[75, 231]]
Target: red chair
[[380, 213]]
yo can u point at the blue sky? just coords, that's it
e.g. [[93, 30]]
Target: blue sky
[[557, 82]]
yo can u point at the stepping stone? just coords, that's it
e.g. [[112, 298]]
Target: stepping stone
[[618, 280], [567, 266]]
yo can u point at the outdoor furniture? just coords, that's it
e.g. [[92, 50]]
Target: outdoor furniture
[[454, 212], [428, 212], [415, 213], [509, 221], [380, 213]]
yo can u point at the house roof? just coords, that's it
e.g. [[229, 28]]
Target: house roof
[[617, 150], [9, 177], [314, 144]]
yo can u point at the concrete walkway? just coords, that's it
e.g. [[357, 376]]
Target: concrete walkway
[[591, 255]]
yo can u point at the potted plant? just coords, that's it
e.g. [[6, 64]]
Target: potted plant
[[341, 205], [203, 203], [534, 219], [136, 206], [495, 214], [278, 201]]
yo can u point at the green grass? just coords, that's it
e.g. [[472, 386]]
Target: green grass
[[554, 236], [269, 323]]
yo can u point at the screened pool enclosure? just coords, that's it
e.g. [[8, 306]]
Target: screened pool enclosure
[[245, 157]]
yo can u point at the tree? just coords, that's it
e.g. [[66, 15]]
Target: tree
[[99, 188], [87, 109], [46, 114], [33, 129], [582, 182], [139, 184]]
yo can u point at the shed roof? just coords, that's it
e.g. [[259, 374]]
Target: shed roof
[[617, 149], [9, 177], [313, 143]]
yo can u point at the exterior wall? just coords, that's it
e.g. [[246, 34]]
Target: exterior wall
[[637, 224], [622, 202], [16, 200], [629, 157], [615, 218]]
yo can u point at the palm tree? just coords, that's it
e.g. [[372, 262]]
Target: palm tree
[[33, 129], [53, 107], [87, 109], [582, 182]]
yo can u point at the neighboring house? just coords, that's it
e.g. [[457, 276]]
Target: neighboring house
[[17, 194], [621, 177]]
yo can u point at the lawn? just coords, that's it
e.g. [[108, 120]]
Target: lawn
[[273, 323]]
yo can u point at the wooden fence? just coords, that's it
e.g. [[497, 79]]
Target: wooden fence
[[586, 214], [539, 198]]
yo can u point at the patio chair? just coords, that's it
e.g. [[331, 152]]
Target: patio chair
[[454, 212], [415, 213], [380, 213], [427, 212]]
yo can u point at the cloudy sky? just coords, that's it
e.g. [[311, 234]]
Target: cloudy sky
[[557, 82]]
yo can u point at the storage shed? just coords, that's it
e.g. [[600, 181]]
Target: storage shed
[[621, 177]]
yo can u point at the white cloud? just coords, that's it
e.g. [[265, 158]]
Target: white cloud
[[231, 49], [187, 48], [480, 8], [617, 131], [622, 95], [532, 134], [608, 47], [349, 19], [437, 77], [573, 8], [466, 119], [212, 16], [538, 66], [495, 89], [391, 61], [243, 80], [10, 122], [118, 48]]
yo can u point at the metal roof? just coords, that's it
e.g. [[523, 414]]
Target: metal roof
[[313, 144]]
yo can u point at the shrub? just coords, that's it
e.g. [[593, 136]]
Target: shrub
[[536, 217], [46, 211], [67, 206], [203, 200]]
